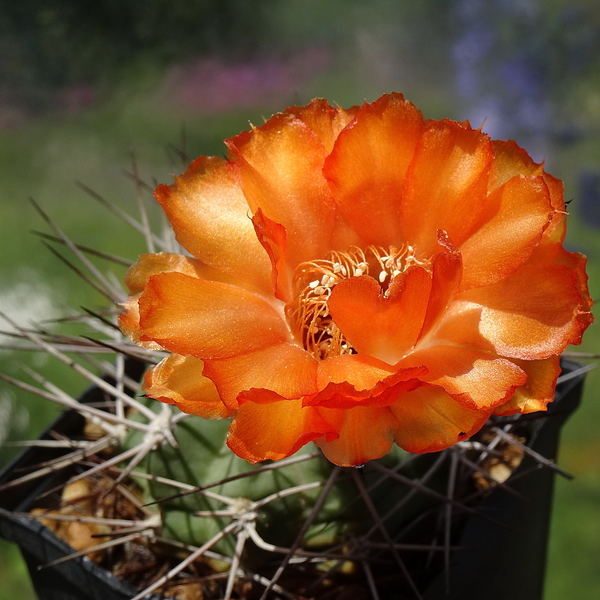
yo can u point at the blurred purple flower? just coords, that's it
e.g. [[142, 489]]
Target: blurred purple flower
[[74, 98], [210, 85]]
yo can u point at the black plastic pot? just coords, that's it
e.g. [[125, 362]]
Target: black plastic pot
[[508, 561], [499, 558], [78, 579]]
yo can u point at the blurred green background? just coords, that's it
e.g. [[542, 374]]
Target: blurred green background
[[84, 84]]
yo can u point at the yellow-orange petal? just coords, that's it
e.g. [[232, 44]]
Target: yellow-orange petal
[[532, 314], [206, 319], [274, 430], [507, 240], [325, 120], [129, 323], [383, 327], [359, 370], [357, 379], [137, 277], [148, 265], [280, 168], [557, 229], [459, 326], [554, 253], [366, 433], [285, 369], [511, 161], [577, 262], [446, 275], [537, 392], [178, 380], [431, 420], [474, 379], [446, 185], [368, 163], [273, 238], [209, 215]]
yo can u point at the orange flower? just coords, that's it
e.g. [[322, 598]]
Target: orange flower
[[357, 278]]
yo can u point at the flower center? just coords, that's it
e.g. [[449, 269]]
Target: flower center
[[308, 313]]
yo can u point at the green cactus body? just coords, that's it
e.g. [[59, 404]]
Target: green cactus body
[[202, 460]]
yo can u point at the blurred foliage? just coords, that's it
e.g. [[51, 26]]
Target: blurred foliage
[[56, 42], [51, 44]]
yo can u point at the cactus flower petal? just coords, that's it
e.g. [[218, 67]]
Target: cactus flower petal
[[366, 433], [280, 171], [359, 278], [537, 391], [522, 211], [368, 163], [209, 214], [460, 371], [282, 368], [450, 168], [206, 319], [275, 429], [178, 380], [532, 314], [430, 421]]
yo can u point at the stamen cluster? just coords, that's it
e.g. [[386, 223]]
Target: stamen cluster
[[308, 314]]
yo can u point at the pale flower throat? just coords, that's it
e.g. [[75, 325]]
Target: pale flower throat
[[308, 313]]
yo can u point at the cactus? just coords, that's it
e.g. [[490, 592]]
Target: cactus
[[156, 496], [299, 519], [300, 526]]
